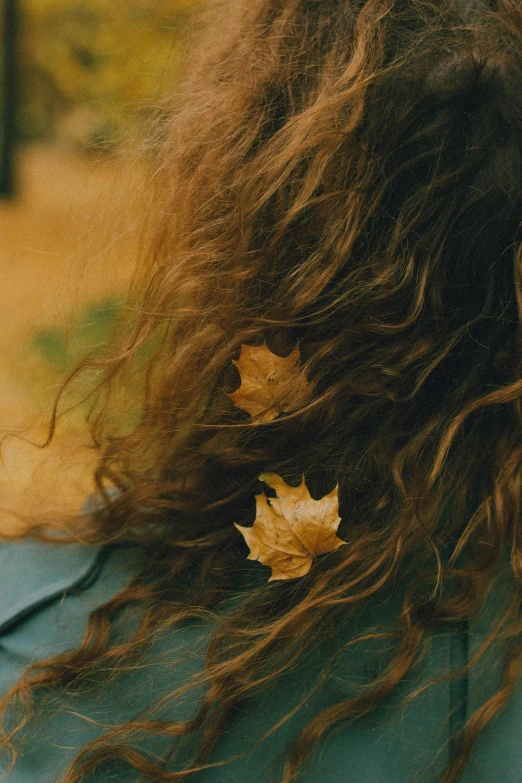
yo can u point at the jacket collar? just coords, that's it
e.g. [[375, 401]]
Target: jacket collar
[[33, 573]]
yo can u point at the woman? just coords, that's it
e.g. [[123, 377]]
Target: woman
[[332, 297]]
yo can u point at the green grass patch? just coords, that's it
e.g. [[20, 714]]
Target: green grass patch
[[61, 348]]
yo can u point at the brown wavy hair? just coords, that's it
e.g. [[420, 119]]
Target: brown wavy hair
[[345, 175]]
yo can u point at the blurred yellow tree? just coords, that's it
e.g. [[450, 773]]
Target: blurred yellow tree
[[89, 65]]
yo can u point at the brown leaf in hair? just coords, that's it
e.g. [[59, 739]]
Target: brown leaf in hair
[[270, 384], [292, 529]]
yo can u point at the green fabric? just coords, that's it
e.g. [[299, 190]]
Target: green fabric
[[48, 592]]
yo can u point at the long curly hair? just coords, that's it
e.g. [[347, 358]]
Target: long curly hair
[[345, 175]]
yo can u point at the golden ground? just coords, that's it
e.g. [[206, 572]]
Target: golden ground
[[66, 242]]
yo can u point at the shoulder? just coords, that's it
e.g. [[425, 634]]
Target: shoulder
[[33, 573], [47, 592]]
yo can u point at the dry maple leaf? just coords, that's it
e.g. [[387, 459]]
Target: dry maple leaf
[[291, 529], [270, 384]]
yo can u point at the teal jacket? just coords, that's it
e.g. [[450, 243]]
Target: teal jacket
[[48, 591]]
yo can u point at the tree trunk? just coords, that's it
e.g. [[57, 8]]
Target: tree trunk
[[9, 31]]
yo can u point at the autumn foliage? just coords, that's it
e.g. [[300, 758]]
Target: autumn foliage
[[291, 529], [270, 384], [89, 67]]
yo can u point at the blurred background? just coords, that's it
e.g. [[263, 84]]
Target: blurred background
[[78, 80]]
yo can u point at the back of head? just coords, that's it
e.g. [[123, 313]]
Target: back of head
[[345, 176]]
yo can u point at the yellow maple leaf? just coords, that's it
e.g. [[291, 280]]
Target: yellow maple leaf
[[270, 384], [292, 529]]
